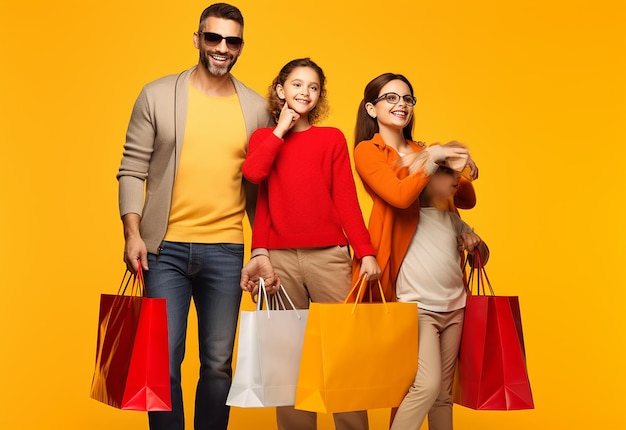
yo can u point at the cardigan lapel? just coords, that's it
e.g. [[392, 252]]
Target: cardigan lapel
[[247, 107], [181, 95]]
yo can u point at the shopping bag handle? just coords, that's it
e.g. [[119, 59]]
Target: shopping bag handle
[[276, 302], [360, 283], [478, 272], [138, 284]]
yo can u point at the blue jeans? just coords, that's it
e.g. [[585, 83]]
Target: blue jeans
[[210, 274]]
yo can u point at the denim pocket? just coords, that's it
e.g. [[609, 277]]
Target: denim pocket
[[232, 248]]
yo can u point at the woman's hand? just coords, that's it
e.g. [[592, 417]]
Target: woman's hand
[[370, 268]]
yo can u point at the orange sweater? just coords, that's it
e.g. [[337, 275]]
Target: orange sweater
[[395, 212]]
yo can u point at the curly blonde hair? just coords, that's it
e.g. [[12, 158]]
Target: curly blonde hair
[[275, 103]]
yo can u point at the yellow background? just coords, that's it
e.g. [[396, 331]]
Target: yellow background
[[535, 88]]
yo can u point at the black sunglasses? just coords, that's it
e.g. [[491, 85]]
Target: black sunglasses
[[212, 39]]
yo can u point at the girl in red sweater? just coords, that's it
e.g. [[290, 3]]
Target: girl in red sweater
[[307, 211]]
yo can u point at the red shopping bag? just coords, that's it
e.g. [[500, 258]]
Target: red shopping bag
[[132, 359], [492, 372]]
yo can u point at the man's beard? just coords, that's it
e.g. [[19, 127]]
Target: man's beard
[[216, 70]]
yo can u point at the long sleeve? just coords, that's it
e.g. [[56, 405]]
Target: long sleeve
[[263, 148], [382, 178], [262, 151], [465, 196], [346, 202], [138, 148], [262, 222]]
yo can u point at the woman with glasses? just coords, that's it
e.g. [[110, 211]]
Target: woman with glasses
[[395, 170]]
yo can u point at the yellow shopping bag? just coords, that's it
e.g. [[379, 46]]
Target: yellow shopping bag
[[357, 356]]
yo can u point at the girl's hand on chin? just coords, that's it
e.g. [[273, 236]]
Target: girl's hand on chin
[[286, 120]]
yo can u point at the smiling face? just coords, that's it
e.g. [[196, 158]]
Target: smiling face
[[393, 116], [301, 90], [218, 59]]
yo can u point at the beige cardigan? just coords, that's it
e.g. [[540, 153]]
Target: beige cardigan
[[153, 145]]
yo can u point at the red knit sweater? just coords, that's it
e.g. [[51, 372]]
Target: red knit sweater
[[307, 197]]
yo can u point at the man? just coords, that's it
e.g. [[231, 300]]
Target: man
[[182, 201]]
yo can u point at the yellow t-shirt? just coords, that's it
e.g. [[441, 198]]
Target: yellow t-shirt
[[208, 200]]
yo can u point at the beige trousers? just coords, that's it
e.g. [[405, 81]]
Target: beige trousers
[[315, 275], [439, 337]]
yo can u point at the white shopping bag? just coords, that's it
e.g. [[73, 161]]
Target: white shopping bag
[[269, 350]]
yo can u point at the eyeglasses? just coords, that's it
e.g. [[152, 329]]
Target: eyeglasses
[[213, 39], [393, 98]]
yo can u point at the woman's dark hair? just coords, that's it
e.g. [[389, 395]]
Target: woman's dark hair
[[221, 10], [366, 126], [275, 103]]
